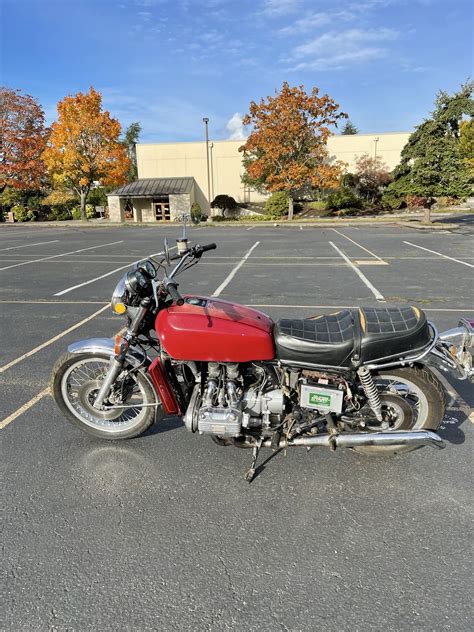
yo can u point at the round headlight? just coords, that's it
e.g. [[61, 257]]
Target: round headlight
[[119, 300], [137, 281]]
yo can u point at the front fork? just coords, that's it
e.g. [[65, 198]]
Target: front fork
[[117, 362]]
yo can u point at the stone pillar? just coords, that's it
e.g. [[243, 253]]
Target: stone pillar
[[180, 204], [116, 208]]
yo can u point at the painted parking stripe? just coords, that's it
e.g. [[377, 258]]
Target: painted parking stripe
[[464, 263], [64, 254], [7, 366], [360, 246], [361, 276], [232, 274], [34, 400], [38, 243], [107, 274]]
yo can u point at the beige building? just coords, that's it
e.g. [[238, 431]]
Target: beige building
[[168, 163]]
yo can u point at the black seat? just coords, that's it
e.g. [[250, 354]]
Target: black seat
[[334, 340]]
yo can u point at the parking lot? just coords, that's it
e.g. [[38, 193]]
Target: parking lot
[[162, 532]]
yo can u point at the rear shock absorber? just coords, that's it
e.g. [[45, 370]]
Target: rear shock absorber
[[371, 392]]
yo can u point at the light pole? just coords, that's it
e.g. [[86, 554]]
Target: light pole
[[206, 121], [376, 140]]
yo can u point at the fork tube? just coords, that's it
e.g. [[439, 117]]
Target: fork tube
[[115, 366]]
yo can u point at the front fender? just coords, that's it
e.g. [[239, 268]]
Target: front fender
[[105, 346]]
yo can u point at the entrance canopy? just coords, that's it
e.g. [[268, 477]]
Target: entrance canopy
[[152, 187]]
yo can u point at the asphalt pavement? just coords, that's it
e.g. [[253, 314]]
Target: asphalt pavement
[[162, 532]]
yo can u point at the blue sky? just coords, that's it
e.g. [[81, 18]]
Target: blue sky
[[168, 63]]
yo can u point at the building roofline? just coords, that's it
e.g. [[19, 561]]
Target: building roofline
[[230, 140]]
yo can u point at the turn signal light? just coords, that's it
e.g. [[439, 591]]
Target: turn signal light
[[120, 308], [120, 345]]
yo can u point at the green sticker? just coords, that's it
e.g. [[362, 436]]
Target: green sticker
[[317, 398]]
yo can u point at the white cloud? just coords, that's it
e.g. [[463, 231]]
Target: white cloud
[[277, 8], [235, 127], [314, 21], [335, 50]]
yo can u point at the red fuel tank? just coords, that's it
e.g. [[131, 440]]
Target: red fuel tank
[[212, 330]]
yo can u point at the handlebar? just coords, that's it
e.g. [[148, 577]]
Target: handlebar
[[169, 284], [172, 288]]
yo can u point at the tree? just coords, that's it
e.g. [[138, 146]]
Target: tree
[[286, 149], [371, 177], [467, 144], [84, 147], [432, 163], [349, 129], [224, 203], [130, 140], [22, 140]]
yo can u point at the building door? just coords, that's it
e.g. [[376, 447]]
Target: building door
[[161, 208], [128, 211]]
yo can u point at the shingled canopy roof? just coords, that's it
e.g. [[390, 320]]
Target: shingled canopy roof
[[150, 187]]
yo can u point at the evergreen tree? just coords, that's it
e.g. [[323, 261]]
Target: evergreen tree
[[432, 162], [130, 140], [349, 129]]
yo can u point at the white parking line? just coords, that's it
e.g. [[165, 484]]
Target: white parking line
[[7, 366], [38, 243], [232, 274], [24, 408], [464, 263], [362, 277], [359, 245], [64, 254], [107, 274]]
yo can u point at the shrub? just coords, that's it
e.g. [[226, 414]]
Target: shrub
[[196, 211], [20, 213], [58, 214], [444, 200], [221, 218], [419, 201], [392, 201], [76, 213], [224, 203], [277, 205], [343, 198], [318, 205]]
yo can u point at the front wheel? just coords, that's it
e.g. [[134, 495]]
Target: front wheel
[[75, 382], [412, 399]]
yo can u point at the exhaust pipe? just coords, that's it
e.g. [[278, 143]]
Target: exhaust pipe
[[354, 440]]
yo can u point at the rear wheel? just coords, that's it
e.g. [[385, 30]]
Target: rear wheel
[[412, 399], [75, 382]]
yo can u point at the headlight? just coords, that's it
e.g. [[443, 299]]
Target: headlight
[[136, 281], [120, 296]]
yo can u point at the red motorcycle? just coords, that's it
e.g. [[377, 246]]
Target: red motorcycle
[[358, 378]]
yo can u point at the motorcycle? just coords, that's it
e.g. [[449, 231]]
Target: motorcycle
[[357, 378]]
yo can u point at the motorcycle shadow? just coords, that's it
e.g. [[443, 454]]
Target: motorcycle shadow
[[450, 429], [164, 425]]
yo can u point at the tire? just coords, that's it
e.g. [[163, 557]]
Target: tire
[[434, 406], [78, 410]]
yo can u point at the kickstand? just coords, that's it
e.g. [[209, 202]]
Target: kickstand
[[251, 472]]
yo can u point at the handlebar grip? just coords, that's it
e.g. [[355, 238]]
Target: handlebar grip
[[175, 295], [208, 247]]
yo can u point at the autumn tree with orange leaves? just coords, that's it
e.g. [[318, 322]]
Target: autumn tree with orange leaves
[[22, 141], [84, 147], [286, 150]]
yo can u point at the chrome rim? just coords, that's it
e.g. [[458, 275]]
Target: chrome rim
[[79, 387], [401, 393]]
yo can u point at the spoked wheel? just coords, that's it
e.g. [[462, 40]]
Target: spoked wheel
[[412, 399], [76, 380]]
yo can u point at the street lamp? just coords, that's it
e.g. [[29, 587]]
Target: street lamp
[[206, 121]]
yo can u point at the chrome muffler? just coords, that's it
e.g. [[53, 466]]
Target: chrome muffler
[[355, 440]]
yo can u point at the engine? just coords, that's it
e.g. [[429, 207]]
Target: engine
[[256, 399], [234, 399]]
